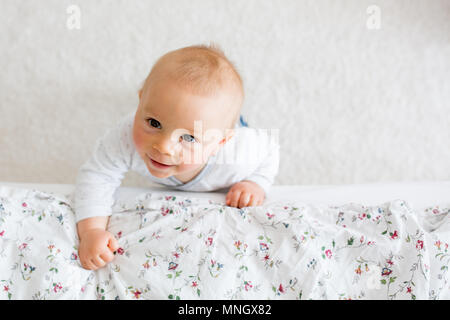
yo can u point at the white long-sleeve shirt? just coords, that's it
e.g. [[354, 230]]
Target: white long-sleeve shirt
[[250, 154]]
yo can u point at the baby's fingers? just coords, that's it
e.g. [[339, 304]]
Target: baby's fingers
[[107, 256], [113, 244], [88, 265], [244, 199], [233, 198], [254, 201], [98, 262]]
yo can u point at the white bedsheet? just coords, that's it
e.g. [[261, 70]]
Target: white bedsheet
[[347, 242]]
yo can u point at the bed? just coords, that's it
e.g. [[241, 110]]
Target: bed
[[372, 241]]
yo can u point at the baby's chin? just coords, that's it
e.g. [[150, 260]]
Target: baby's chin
[[161, 175]]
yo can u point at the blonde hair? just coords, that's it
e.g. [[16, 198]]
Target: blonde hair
[[201, 69]]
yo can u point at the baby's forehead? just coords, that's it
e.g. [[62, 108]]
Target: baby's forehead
[[201, 71]]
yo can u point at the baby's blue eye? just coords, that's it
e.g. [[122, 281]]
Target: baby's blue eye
[[154, 123], [188, 138]]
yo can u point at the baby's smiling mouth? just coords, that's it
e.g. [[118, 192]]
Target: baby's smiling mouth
[[158, 164]]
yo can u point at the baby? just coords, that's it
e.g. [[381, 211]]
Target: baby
[[189, 107]]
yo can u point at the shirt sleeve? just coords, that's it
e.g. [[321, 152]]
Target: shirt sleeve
[[100, 176], [267, 170]]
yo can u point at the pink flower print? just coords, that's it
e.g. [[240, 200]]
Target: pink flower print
[[146, 265], [164, 211], [194, 284], [362, 239], [247, 285], [24, 205], [73, 256], [156, 236], [408, 290], [23, 246], [263, 246], [176, 255], [209, 241], [119, 234], [237, 244], [266, 257], [27, 266], [435, 211], [5, 288], [361, 216], [120, 251], [57, 287], [389, 261], [358, 270], [419, 245], [137, 293], [280, 288], [385, 272], [438, 244], [270, 216], [328, 253], [394, 235], [173, 265], [2, 233]]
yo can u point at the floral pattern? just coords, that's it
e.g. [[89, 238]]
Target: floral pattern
[[190, 248]]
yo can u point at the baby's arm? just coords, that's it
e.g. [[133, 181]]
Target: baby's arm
[[97, 181], [252, 190]]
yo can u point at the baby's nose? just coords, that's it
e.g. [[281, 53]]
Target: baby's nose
[[166, 147]]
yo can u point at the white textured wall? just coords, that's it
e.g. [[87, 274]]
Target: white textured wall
[[353, 105]]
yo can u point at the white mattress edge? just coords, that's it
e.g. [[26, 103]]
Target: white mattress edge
[[419, 194]]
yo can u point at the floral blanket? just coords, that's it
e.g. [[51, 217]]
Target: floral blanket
[[189, 248]]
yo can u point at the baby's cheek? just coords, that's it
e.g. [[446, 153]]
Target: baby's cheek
[[138, 140]]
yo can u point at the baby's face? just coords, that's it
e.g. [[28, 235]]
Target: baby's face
[[179, 129]]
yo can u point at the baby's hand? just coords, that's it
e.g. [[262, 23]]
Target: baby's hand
[[96, 248], [245, 194]]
